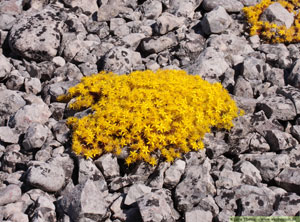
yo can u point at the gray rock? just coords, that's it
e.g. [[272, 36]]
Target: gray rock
[[15, 80], [135, 192], [289, 179], [61, 132], [168, 22], [44, 210], [276, 13], [111, 10], [261, 123], [205, 66], [43, 71], [253, 70], [108, 165], [208, 203], [88, 7], [32, 85], [37, 35], [235, 48], [152, 9], [7, 21], [243, 88], [57, 110], [66, 162], [251, 174], [154, 207], [156, 179], [197, 182], [289, 203], [279, 140], [174, 173], [269, 164], [47, 177], [277, 54], [229, 5], [277, 107], [133, 39], [8, 135], [216, 21], [9, 210], [185, 8], [10, 160], [291, 93], [59, 61], [228, 179], [11, 101], [121, 60], [35, 136], [121, 182], [85, 201], [225, 199], [10, 194], [198, 215], [18, 217], [255, 200], [88, 170], [258, 144], [151, 45], [275, 76], [5, 68]]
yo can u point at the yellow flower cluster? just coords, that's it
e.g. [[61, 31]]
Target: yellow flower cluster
[[152, 114], [270, 32]]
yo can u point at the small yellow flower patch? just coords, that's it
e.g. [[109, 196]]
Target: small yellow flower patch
[[152, 114]]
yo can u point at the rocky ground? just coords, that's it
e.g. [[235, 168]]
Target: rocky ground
[[47, 46]]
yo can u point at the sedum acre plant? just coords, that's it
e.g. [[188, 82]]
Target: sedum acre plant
[[270, 32], [151, 114]]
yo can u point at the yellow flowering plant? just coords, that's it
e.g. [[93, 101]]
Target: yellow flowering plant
[[271, 32], [153, 115]]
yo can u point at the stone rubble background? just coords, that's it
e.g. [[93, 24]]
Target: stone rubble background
[[47, 46]]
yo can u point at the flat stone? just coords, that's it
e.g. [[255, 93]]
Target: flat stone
[[216, 21], [10, 194], [37, 35], [8, 135], [229, 5], [198, 215], [47, 177], [136, 191], [289, 179]]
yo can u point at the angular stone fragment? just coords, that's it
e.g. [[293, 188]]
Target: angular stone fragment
[[108, 165], [229, 5], [243, 88], [197, 182], [251, 174], [279, 140], [37, 35], [174, 173], [89, 6], [277, 14], [216, 21], [184, 8], [228, 179], [291, 93], [47, 177], [255, 200], [289, 203], [167, 22], [8, 135], [152, 9], [136, 191], [198, 215], [277, 107], [35, 136], [10, 194], [258, 144], [45, 210], [121, 60], [157, 45], [289, 179], [88, 170], [5, 67], [154, 207], [205, 64], [269, 164], [10, 160], [85, 202]]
